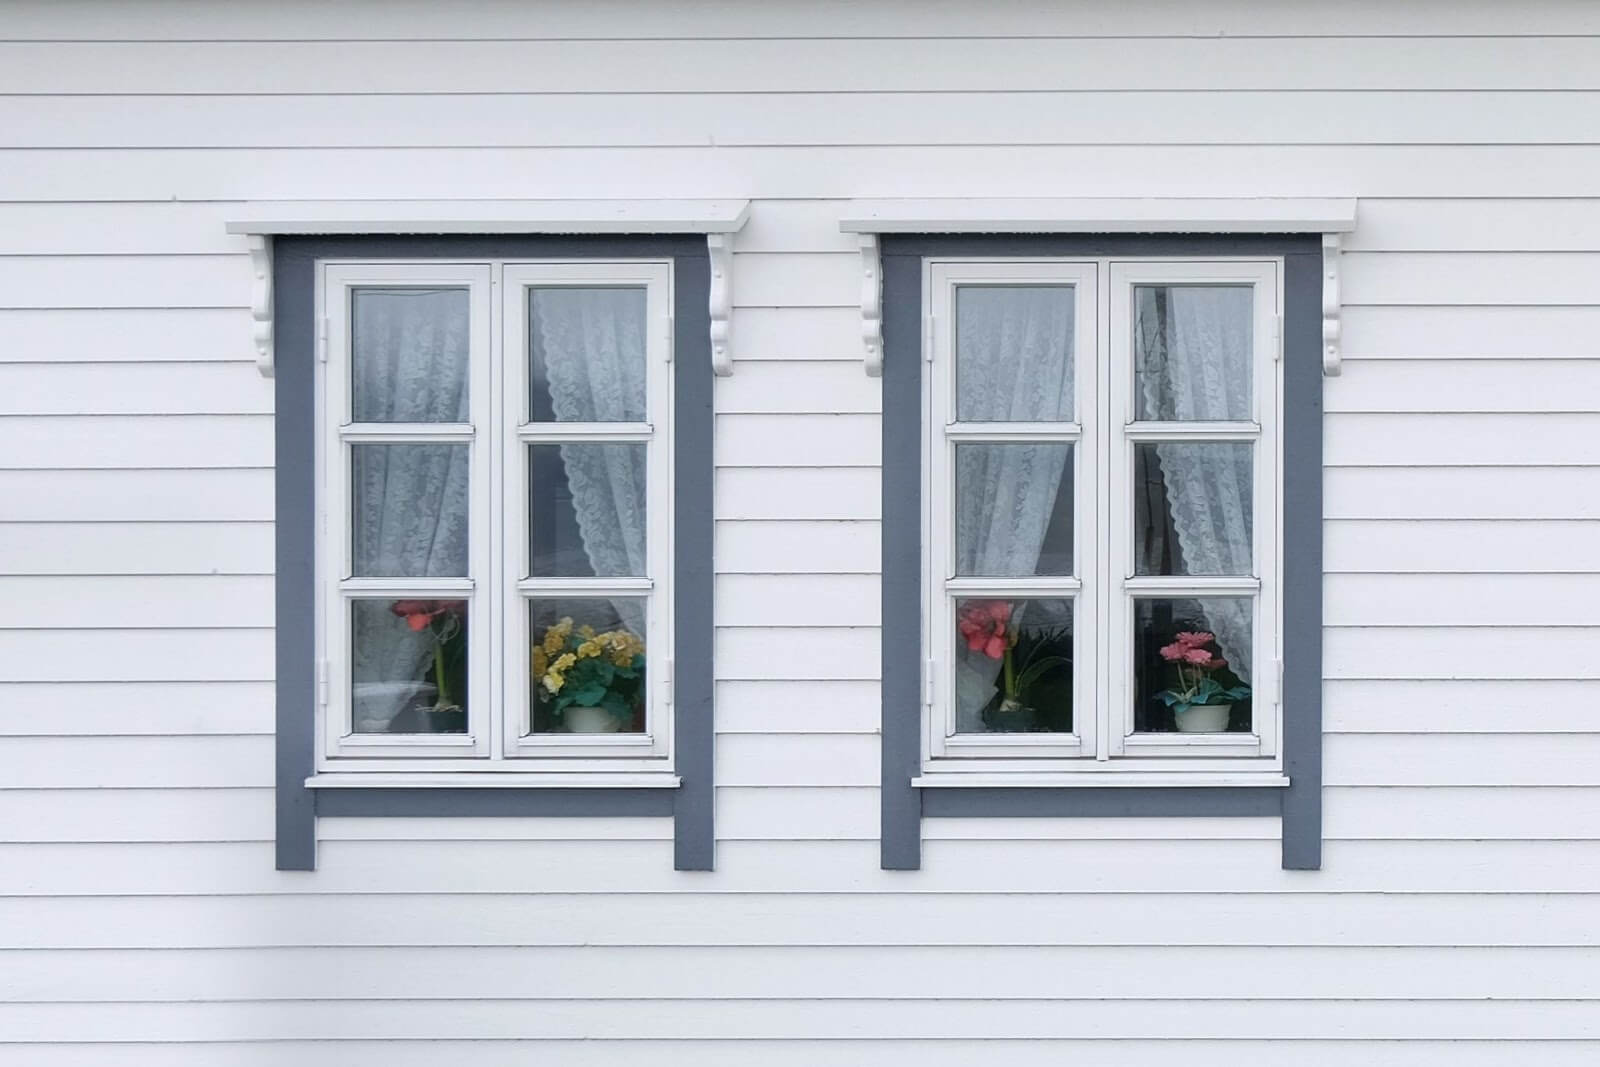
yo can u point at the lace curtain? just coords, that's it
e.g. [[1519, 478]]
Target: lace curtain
[[409, 500], [590, 344], [1196, 368], [1014, 364]]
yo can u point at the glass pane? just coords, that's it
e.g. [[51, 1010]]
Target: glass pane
[[410, 666], [1013, 666], [1014, 354], [588, 665], [409, 510], [586, 510], [410, 354], [587, 354], [1192, 664], [1193, 508], [1014, 509], [1191, 352]]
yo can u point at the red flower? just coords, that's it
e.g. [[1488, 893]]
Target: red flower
[[982, 624], [420, 613], [1190, 648]]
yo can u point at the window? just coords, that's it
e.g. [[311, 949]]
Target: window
[[495, 483], [1101, 456]]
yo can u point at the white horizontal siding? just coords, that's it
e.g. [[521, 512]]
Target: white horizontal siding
[[1347, 61], [1002, 1051], [1453, 922], [605, 866], [550, 1023], [995, 117], [144, 548], [691, 920], [194, 20]]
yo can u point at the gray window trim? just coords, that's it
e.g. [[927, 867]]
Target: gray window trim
[[690, 805], [1300, 803]]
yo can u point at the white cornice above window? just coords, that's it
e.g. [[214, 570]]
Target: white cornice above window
[[489, 216], [718, 220], [1233, 215]]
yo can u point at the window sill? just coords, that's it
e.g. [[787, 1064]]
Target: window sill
[[496, 780], [1100, 780]]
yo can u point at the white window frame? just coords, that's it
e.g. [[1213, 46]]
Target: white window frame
[[1103, 623], [499, 648], [947, 432], [557, 750]]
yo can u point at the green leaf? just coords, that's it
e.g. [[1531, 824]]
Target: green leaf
[[588, 695], [618, 707], [1038, 669]]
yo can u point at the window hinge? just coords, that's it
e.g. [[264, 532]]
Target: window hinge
[[927, 682], [668, 329], [666, 681], [322, 683], [1277, 337], [322, 339], [927, 337]]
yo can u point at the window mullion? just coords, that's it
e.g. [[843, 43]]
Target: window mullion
[[1110, 404]]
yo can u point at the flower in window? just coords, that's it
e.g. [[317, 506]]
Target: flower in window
[[1194, 663], [983, 625]]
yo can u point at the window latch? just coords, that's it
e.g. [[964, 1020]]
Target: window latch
[[322, 339]]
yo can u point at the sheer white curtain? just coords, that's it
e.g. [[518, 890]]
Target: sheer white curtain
[[1014, 363], [410, 362], [591, 345], [1197, 368]]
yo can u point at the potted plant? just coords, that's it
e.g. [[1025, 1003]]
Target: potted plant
[[441, 620], [588, 682], [1200, 704], [988, 627]]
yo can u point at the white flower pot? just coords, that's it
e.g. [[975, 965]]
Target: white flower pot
[[590, 721], [1204, 719]]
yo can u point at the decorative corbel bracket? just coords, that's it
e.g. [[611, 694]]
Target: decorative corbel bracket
[[261, 300], [871, 305], [1332, 351], [719, 246]]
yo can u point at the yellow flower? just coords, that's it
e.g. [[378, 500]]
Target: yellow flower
[[622, 645], [554, 680], [556, 636], [563, 661], [589, 649], [541, 661], [586, 631]]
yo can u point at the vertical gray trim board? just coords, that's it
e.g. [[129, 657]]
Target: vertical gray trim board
[[694, 583], [690, 805], [900, 840], [1302, 560], [294, 458], [1299, 805]]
